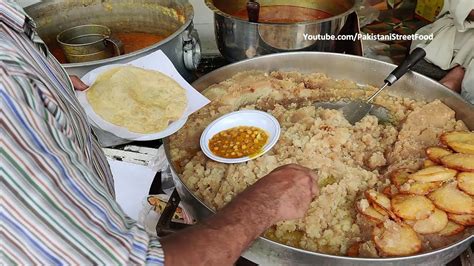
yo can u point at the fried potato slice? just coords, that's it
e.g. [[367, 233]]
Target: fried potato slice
[[435, 153], [427, 163], [368, 250], [462, 147], [369, 212], [379, 209], [378, 198], [386, 212], [433, 174], [451, 229], [353, 250], [418, 188], [466, 182], [457, 136], [462, 219], [450, 199], [390, 191], [412, 207], [433, 224], [381, 203], [459, 161], [396, 239], [400, 176], [462, 142]]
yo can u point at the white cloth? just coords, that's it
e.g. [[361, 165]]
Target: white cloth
[[453, 42]]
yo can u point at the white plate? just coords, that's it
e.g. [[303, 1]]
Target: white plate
[[157, 61], [89, 79], [249, 118]]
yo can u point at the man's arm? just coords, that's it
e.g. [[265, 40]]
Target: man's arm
[[471, 16], [89, 227], [282, 195]]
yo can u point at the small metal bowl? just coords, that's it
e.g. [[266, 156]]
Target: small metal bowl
[[251, 118]]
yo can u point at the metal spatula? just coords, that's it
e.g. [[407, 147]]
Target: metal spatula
[[355, 111]]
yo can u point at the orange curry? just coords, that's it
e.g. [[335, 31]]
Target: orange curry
[[285, 14]]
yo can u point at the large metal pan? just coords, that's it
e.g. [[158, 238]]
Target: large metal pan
[[239, 39], [171, 18], [339, 66]]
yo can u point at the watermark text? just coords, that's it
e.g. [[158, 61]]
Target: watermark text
[[368, 37]]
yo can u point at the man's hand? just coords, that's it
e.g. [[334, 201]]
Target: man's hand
[[471, 16], [453, 80], [287, 190], [77, 83], [283, 194]]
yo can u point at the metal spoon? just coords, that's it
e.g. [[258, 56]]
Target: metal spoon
[[356, 110]]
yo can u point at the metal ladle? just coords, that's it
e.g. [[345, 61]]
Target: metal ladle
[[356, 110]]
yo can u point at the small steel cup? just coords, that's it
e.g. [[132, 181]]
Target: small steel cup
[[88, 43]]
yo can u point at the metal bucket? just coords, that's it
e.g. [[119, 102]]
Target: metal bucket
[[171, 18], [239, 39]]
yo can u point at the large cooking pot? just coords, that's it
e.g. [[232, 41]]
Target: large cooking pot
[[339, 66], [171, 18], [239, 39]]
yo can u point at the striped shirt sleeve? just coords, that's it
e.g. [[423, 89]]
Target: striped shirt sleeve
[[57, 203]]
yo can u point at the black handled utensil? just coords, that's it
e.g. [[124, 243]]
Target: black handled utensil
[[355, 111], [253, 10]]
